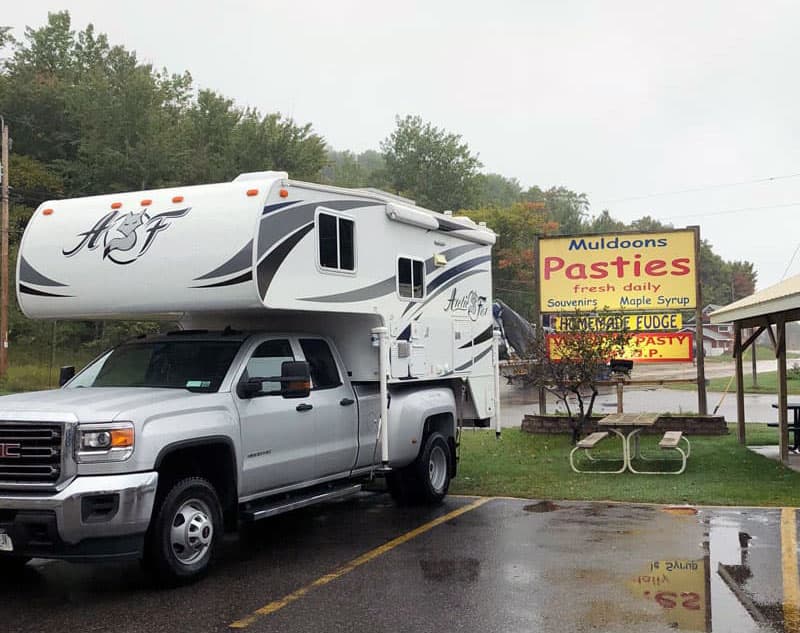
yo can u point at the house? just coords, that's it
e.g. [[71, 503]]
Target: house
[[717, 337]]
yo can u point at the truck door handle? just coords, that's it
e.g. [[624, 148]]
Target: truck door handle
[[346, 402], [304, 407]]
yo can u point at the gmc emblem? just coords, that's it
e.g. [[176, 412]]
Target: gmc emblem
[[10, 450]]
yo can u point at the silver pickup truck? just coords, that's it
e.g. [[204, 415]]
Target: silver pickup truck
[[163, 443]]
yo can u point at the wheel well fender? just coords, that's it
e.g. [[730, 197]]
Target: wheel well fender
[[213, 458]]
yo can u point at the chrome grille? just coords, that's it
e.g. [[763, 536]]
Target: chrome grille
[[30, 452]]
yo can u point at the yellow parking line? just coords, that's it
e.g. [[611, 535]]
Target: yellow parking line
[[791, 579], [277, 605]]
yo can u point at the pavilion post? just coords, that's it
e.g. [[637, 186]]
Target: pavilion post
[[783, 401], [738, 352]]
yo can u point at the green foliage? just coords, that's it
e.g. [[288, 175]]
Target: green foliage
[[346, 169], [430, 165], [95, 116], [570, 364], [495, 190]]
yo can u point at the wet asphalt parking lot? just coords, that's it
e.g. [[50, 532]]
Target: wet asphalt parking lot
[[473, 565]]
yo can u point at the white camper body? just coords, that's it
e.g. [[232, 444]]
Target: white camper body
[[264, 252]]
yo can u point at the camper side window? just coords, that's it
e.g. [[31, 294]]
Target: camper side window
[[266, 362], [410, 278], [336, 242]]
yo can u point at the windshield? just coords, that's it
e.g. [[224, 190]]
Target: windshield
[[194, 365]]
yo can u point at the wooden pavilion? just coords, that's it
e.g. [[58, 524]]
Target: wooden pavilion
[[767, 311]]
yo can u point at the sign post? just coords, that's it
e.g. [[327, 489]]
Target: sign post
[[702, 399]]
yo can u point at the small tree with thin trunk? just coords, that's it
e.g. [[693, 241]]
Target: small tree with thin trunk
[[572, 363]]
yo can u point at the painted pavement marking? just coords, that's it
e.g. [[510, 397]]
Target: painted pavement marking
[[277, 605]]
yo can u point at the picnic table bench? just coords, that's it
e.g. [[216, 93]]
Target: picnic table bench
[[628, 426]]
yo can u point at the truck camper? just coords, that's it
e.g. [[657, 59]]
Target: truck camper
[[326, 336]]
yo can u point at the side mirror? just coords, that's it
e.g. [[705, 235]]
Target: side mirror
[[295, 379], [65, 374], [248, 389]]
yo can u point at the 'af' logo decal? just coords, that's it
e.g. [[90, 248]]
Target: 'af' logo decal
[[125, 238]]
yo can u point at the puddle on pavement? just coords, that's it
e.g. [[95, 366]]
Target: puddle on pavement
[[740, 584], [542, 506], [680, 510], [451, 570]]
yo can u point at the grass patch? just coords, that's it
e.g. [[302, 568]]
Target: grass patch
[[26, 373], [719, 472], [757, 434], [767, 383]]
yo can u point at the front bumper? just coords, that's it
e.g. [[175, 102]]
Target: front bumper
[[93, 517]]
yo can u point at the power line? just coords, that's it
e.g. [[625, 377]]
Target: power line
[[701, 214], [703, 188]]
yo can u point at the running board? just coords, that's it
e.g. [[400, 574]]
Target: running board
[[273, 508]]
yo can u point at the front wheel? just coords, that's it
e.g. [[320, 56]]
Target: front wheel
[[427, 478], [185, 532]]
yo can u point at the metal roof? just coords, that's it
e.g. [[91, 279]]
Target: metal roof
[[781, 299]]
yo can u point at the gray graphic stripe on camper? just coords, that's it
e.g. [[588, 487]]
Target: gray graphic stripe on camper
[[39, 293], [269, 266], [373, 291], [278, 206], [243, 278], [30, 275], [481, 338], [450, 253], [240, 262], [441, 289], [455, 270], [278, 224], [474, 360]]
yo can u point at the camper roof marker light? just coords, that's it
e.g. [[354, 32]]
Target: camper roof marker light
[[283, 193], [116, 205], [252, 192], [47, 212], [177, 199], [146, 202]]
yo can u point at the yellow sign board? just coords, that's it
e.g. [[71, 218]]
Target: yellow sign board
[[677, 589], [617, 322], [618, 271], [645, 347]]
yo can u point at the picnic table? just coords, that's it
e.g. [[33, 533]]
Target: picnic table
[[628, 426], [795, 426]]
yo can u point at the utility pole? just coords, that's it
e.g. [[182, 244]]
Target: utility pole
[[4, 254]]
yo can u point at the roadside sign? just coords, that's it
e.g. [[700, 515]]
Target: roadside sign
[[644, 347], [618, 271], [617, 322]]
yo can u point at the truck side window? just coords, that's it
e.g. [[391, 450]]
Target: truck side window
[[266, 362], [324, 374], [336, 242], [410, 278]]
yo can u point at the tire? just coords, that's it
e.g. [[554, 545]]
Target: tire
[[427, 479], [185, 532]]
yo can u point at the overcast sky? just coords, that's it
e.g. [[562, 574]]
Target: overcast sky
[[619, 100]]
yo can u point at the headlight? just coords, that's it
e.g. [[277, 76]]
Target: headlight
[[111, 442]]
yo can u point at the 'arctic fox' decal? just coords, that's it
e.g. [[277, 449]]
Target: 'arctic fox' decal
[[120, 234]]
